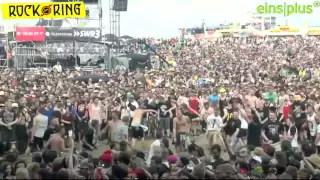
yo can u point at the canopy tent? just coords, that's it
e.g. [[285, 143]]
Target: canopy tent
[[130, 61], [126, 37]]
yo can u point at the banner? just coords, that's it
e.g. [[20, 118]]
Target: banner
[[50, 10], [87, 34], [314, 32], [59, 34], [284, 29], [36, 34], [85, 1]]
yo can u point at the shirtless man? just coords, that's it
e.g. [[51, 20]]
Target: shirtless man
[[137, 127], [181, 126], [117, 128], [56, 141]]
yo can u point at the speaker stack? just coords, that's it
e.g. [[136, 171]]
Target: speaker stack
[[120, 5]]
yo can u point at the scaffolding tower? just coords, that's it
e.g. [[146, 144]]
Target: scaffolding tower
[[4, 60], [93, 19], [114, 23]]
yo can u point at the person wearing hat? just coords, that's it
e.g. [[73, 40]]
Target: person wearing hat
[[140, 160], [106, 159]]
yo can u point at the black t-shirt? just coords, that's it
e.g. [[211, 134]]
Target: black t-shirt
[[81, 111], [217, 163], [57, 114], [222, 104], [163, 107], [298, 109], [265, 111], [273, 131], [293, 130], [233, 125], [8, 116], [254, 132], [152, 105], [48, 133]]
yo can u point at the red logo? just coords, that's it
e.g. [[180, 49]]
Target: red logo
[[36, 34]]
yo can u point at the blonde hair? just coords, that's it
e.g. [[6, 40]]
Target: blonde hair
[[22, 173], [32, 167]]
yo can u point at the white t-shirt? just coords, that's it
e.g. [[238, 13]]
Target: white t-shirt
[[294, 140], [318, 131], [214, 123], [155, 144], [58, 68], [312, 124], [244, 123]]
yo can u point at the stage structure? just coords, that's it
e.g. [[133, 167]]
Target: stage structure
[[62, 39], [5, 52], [115, 8], [45, 46], [3, 47]]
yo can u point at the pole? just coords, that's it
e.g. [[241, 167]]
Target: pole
[[74, 46], [160, 56], [47, 54], [118, 43]]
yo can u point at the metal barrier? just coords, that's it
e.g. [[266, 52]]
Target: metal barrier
[[3, 63], [23, 55], [47, 55]]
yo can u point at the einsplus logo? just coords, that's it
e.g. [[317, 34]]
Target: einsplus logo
[[287, 9]]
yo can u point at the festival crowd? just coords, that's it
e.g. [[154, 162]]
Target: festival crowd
[[254, 100]]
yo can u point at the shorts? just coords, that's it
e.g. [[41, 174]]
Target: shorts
[[180, 136], [214, 137], [67, 127], [242, 133], [164, 123], [8, 135], [191, 115], [137, 132], [152, 122]]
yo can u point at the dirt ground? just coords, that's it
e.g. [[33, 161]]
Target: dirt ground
[[144, 146]]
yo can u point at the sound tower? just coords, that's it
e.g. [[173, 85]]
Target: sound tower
[[120, 5]]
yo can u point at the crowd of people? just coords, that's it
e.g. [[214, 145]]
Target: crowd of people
[[255, 100]]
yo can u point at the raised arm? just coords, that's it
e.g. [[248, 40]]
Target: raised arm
[[174, 127], [149, 110]]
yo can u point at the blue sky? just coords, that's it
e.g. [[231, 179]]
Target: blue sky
[[162, 18]]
